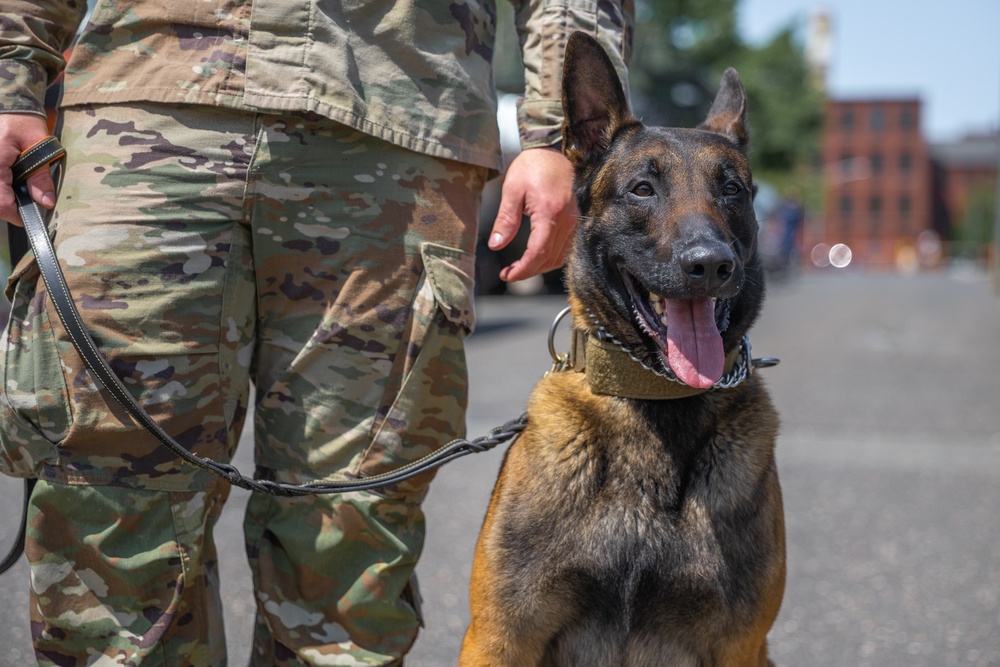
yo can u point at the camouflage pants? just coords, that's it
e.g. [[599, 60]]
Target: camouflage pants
[[210, 249]]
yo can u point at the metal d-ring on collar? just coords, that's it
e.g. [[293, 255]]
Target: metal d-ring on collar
[[742, 369], [559, 360]]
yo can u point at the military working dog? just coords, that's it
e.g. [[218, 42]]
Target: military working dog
[[637, 521]]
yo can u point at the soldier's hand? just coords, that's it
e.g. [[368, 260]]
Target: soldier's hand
[[539, 184], [18, 132]]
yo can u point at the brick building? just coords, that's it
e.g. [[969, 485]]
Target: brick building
[[962, 171], [877, 177]]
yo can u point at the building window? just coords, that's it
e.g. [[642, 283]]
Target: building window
[[845, 207], [905, 209], [875, 213], [878, 119], [905, 163], [875, 207], [876, 163], [846, 163], [907, 119], [846, 120]]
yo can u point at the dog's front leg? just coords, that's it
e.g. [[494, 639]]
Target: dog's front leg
[[507, 628], [492, 640]]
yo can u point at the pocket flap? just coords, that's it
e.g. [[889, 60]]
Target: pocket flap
[[450, 272], [26, 269]]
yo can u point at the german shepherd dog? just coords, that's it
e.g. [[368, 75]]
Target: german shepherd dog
[[643, 531]]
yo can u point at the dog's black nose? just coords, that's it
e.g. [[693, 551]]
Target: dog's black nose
[[708, 266]]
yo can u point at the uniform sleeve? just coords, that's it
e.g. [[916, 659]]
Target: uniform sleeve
[[33, 36], [543, 28]]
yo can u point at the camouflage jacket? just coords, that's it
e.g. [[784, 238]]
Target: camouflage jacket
[[416, 73]]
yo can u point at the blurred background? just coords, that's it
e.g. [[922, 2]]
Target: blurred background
[[874, 123], [875, 146]]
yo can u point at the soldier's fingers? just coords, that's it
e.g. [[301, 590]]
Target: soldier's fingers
[[42, 188], [8, 205], [536, 254]]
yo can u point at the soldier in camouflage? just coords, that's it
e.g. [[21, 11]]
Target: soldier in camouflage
[[283, 194]]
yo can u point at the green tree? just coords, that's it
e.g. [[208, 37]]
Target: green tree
[[786, 109], [975, 225], [681, 49], [677, 49]]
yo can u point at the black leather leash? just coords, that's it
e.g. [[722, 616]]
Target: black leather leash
[[48, 152]]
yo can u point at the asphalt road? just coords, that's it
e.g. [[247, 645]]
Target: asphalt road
[[889, 459]]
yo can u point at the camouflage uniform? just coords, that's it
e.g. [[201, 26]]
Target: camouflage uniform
[[264, 199]]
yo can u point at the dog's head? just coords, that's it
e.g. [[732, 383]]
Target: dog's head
[[666, 253]]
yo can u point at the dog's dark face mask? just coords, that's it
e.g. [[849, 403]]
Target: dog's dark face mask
[[666, 254]]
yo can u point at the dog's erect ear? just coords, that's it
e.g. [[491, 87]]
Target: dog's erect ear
[[728, 115], [594, 103]]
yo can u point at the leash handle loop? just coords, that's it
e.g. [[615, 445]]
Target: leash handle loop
[[43, 153]]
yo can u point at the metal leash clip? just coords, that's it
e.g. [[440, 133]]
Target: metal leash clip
[[561, 361]]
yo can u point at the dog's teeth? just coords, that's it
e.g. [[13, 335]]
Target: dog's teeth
[[655, 298], [663, 319], [658, 307]]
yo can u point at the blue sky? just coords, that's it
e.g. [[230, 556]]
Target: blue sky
[[945, 52]]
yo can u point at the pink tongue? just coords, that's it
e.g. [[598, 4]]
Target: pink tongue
[[694, 346]]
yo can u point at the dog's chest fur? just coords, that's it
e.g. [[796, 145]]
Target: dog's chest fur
[[647, 529]]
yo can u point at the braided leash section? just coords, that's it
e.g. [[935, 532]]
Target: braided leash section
[[453, 450]]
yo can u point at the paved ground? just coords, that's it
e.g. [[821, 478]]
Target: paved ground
[[889, 459]]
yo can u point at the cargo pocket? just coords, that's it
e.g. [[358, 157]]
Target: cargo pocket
[[34, 405], [428, 410], [449, 272]]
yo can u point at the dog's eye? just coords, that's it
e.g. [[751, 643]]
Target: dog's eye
[[731, 188], [643, 190]]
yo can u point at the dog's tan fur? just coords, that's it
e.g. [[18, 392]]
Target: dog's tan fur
[[624, 531]]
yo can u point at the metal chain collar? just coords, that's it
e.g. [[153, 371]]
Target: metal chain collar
[[742, 369]]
